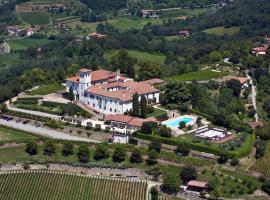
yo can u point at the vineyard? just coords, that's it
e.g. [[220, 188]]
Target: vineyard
[[44, 185]]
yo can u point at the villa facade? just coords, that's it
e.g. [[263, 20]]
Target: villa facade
[[109, 92]]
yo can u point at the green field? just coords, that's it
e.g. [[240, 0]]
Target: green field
[[44, 185], [141, 56], [47, 89], [197, 75], [222, 31], [35, 18], [23, 44], [8, 59], [186, 12], [123, 23], [8, 134]]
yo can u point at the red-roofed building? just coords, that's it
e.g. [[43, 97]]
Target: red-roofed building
[[184, 33], [261, 50], [197, 186], [96, 35], [122, 123], [110, 92]]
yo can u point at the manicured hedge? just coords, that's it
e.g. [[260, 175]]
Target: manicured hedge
[[194, 146]]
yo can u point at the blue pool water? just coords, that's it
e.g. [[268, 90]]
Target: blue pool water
[[175, 123]]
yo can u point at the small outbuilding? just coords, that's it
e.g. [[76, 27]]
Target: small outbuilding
[[197, 186]]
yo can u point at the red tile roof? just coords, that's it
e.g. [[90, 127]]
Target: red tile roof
[[241, 79], [102, 75], [131, 121], [197, 183], [74, 79], [153, 81], [262, 48]]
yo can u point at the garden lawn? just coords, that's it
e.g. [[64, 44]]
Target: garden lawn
[[23, 44], [35, 18], [7, 134], [197, 75], [222, 30], [47, 89], [157, 112], [141, 56]]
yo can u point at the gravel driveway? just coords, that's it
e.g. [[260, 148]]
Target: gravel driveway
[[44, 131]]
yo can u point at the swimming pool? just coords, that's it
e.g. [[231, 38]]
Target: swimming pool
[[174, 123]]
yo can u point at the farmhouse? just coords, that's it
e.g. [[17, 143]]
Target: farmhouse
[[96, 35], [13, 30], [184, 33], [122, 123], [260, 50], [108, 92], [197, 186]]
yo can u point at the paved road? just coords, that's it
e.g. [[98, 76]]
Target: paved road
[[43, 131], [253, 97]]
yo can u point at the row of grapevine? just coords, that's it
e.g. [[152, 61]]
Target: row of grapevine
[[44, 185]]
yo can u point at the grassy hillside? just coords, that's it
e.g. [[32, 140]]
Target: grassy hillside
[[35, 18], [198, 75], [46, 185], [222, 30], [141, 56], [23, 44]]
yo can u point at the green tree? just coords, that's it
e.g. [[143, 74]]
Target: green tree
[[4, 108], [102, 152], [83, 153], [136, 156], [135, 105], [143, 106], [148, 127], [123, 61], [152, 157], [31, 148], [119, 154], [235, 85], [188, 173], [49, 148], [164, 131], [154, 193], [155, 145], [171, 183], [149, 70], [70, 94], [182, 149], [68, 149]]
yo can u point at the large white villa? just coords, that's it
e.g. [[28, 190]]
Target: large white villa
[[109, 92]]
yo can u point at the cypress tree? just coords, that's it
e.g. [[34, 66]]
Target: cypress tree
[[135, 105], [143, 105]]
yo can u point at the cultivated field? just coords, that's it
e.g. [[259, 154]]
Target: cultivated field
[[198, 75], [32, 185]]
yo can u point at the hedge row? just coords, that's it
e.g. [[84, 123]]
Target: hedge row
[[40, 109], [28, 116], [194, 146]]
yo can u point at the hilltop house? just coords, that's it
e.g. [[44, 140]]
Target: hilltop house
[[261, 50], [108, 92], [184, 33], [96, 35]]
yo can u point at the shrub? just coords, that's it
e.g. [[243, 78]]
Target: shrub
[[119, 154], [188, 173], [155, 145], [49, 148], [97, 127], [136, 156], [182, 149], [31, 148], [164, 131], [152, 157], [170, 184], [234, 162], [67, 149], [101, 152], [83, 153]]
